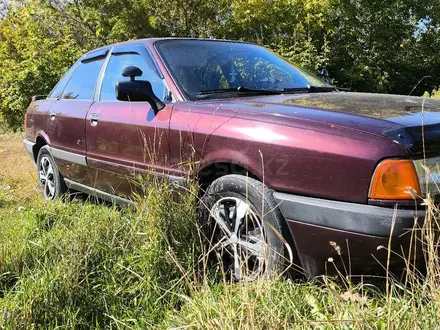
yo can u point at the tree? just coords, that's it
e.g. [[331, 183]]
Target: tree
[[368, 45], [34, 52], [378, 45]]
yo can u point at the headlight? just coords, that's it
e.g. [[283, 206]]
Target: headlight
[[429, 177]]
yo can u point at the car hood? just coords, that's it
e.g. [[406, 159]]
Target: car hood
[[397, 117]]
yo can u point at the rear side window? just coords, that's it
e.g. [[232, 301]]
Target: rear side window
[[113, 74], [82, 84], [58, 89]]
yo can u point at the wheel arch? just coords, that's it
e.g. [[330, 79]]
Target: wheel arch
[[40, 142], [210, 172]]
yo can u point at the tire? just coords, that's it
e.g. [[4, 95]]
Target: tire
[[50, 180], [233, 195]]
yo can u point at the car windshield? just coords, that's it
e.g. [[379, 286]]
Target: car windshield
[[200, 67]]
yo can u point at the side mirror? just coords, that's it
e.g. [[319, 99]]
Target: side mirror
[[137, 90]]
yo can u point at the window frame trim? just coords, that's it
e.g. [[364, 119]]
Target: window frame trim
[[100, 79]]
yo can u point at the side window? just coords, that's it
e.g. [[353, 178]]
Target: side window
[[82, 84], [59, 87], [113, 74]]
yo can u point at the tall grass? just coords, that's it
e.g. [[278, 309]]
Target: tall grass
[[83, 265]]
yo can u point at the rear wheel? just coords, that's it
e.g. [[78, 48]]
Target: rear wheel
[[244, 227], [50, 181]]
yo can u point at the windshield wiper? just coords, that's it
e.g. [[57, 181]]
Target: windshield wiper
[[240, 89], [311, 89], [245, 90]]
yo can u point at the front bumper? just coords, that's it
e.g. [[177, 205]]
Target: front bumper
[[354, 234]]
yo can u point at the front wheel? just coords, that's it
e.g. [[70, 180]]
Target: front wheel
[[50, 181], [244, 227]]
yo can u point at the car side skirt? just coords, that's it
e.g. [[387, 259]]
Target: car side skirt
[[97, 193]]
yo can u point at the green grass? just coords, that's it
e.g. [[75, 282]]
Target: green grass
[[81, 265], [85, 265]]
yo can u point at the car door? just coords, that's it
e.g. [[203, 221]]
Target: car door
[[126, 138], [65, 126]]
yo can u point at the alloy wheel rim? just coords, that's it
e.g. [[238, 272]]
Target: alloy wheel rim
[[46, 178], [241, 237]]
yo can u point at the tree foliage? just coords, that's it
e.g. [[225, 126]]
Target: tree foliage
[[368, 45]]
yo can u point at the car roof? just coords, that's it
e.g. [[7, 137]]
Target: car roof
[[151, 41]]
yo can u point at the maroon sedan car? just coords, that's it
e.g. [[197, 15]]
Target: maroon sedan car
[[282, 157]]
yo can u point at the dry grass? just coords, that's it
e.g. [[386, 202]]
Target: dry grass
[[17, 171]]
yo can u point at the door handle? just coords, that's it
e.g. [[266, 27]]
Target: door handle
[[52, 115], [94, 118]]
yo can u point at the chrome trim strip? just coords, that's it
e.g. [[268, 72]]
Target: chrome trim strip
[[97, 193], [174, 179], [68, 156]]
